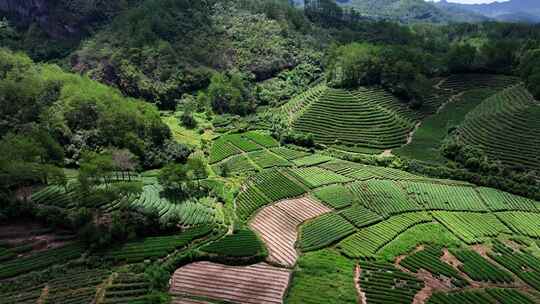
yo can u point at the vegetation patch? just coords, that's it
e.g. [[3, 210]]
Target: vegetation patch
[[333, 275], [315, 177], [430, 260], [369, 240], [324, 231], [334, 196], [383, 283], [242, 243], [471, 227], [427, 234]]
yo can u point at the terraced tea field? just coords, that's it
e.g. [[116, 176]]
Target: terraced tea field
[[368, 119], [507, 128], [296, 226], [373, 214]]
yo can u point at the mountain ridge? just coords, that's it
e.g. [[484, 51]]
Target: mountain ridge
[[512, 11]]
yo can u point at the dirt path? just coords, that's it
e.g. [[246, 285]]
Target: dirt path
[[413, 131], [102, 288], [439, 84], [452, 98], [361, 295], [44, 295], [410, 136], [387, 153]]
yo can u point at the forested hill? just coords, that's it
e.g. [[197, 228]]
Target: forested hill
[[405, 11]]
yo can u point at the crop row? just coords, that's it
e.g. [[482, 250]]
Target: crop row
[[312, 160], [187, 213], [27, 296], [382, 283], [497, 200], [127, 288], [249, 200], [471, 227], [323, 231], [323, 276], [155, 247], [507, 128], [315, 177], [56, 196], [261, 139], [360, 216], [479, 269], [334, 196], [430, 260], [384, 197], [233, 144], [522, 264], [40, 260], [338, 117], [289, 154], [242, 243], [487, 296], [276, 186], [463, 82], [524, 223], [444, 197], [75, 288], [369, 240], [263, 188], [296, 106], [236, 164], [266, 159]]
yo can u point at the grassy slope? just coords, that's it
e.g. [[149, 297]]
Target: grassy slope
[[190, 137]]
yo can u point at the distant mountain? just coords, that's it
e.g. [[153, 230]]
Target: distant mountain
[[407, 11], [511, 11]]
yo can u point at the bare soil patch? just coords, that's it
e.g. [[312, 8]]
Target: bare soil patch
[[449, 258], [38, 237], [278, 225], [260, 283]]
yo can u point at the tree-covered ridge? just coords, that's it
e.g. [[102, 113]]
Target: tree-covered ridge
[[78, 113], [405, 11], [163, 49]]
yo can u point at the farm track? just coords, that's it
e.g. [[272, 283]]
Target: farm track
[[277, 225], [260, 283], [361, 295]]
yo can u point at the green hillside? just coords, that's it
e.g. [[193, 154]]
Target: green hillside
[[506, 127], [365, 118]]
